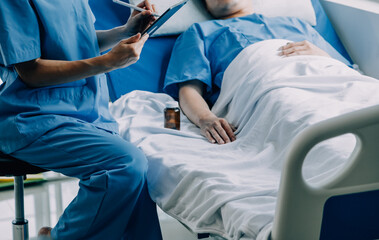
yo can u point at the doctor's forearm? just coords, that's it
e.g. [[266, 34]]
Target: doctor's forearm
[[42, 73], [109, 38]]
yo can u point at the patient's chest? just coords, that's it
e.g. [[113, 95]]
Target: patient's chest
[[236, 34]]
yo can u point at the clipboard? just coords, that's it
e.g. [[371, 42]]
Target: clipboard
[[164, 17]]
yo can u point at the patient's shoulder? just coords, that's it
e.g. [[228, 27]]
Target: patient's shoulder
[[205, 28]]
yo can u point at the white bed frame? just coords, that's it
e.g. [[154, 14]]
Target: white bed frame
[[299, 210]]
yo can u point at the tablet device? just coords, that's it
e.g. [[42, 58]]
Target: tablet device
[[164, 17]]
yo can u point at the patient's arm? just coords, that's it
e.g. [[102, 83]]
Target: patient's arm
[[216, 130], [301, 48]]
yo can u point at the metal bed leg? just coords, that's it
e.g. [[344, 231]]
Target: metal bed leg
[[20, 224]]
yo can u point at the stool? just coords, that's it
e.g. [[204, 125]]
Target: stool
[[10, 166]]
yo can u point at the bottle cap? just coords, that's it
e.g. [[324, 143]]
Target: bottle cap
[[172, 104]]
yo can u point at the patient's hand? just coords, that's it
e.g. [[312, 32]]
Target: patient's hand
[[301, 48], [217, 130]]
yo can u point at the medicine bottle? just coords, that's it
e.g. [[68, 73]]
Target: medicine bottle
[[172, 116]]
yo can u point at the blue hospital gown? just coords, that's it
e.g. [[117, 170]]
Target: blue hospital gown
[[205, 50]]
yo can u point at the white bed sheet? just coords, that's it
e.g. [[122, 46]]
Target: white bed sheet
[[230, 190]]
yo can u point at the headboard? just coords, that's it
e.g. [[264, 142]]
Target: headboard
[[149, 72]]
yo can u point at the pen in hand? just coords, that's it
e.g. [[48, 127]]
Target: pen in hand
[[133, 7]]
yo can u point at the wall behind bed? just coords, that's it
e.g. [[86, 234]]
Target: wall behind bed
[[148, 73]]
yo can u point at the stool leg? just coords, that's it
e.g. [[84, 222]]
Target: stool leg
[[20, 224]]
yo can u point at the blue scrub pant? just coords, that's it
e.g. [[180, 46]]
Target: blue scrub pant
[[112, 201]]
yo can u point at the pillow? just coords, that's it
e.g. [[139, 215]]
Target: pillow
[[302, 9], [194, 11]]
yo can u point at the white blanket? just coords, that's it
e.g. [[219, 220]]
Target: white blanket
[[231, 189]]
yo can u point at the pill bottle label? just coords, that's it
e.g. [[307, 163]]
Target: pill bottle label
[[172, 118]]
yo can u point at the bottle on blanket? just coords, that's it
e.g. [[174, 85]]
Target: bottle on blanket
[[172, 116]]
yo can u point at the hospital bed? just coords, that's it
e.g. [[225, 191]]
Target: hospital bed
[[344, 207]]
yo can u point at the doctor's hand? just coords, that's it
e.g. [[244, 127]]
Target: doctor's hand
[[301, 48], [217, 130], [126, 52], [139, 21]]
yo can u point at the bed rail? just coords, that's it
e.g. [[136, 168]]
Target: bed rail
[[300, 206]]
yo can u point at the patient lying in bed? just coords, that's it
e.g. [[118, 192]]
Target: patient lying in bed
[[202, 54], [231, 189]]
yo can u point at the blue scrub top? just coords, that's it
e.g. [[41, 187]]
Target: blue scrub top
[[205, 50], [56, 30]]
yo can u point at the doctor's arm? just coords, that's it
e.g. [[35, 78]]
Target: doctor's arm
[[216, 130], [43, 72]]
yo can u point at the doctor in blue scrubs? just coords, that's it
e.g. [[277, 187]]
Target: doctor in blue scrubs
[[54, 113]]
